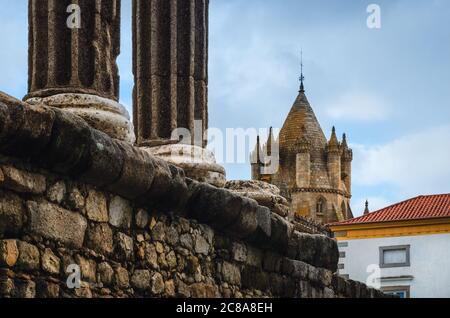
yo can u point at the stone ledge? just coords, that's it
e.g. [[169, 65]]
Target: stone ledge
[[65, 144]]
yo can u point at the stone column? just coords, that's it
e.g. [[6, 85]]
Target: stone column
[[73, 46], [170, 65]]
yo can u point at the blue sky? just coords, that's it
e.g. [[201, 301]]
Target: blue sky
[[387, 88]]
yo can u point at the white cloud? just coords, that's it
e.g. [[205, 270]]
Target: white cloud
[[414, 164], [357, 106]]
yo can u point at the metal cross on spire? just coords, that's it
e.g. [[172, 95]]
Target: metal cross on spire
[[302, 78]]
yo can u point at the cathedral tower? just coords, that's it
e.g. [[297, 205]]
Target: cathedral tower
[[314, 173]]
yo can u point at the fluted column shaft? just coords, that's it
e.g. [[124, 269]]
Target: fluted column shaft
[[170, 60], [74, 60]]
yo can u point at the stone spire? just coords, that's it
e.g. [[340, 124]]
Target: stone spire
[[344, 142], [367, 211], [170, 66], [333, 143], [72, 61]]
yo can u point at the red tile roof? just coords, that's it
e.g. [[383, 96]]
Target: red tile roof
[[422, 207]]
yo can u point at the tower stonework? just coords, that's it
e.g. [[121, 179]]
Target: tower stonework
[[314, 173]]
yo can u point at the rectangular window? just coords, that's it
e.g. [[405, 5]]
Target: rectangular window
[[395, 256], [399, 291]]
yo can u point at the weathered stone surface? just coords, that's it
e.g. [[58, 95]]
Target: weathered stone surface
[[25, 289], [124, 247], [217, 207], [151, 256], [281, 233], [9, 252], [26, 131], [57, 192], [105, 273], [99, 237], [120, 212], [239, 252], [141, 279], [230, 273], [22, 181], [106, 160], [157, 284], [201, 245], [202, 290], [246, 224], [11, 214], [75, 199], [28, 256], [47, 289], [50, 262], [122, 277], [96, 206], [264, 193], [88, 268], [137, 172], [55, 223], [142, 219], [68, 150]]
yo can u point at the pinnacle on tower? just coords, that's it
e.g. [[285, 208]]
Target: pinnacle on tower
[[334, 142], [344, 141], [367, 211]]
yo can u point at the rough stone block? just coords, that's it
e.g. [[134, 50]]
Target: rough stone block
[[246, 224], [230, 273], [57, 192], [55, 223], [25, 289], [281, 233], [157, 283], [295, 268], [28, 259], [99, 237], [9, 253], [68, 150], [169, 190], [239, 252], [22, 181], [105, 160], [213, 206], [202, 290], [11, 214], [122, 278], [25, 130], [50, 262], [142, 219], [124, 247], [120, 213], [105, 273], [88, 268], [141, 279], [137, 172], [96, 206]]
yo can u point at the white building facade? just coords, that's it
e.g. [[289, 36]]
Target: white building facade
[[409, 266], [403, 249]]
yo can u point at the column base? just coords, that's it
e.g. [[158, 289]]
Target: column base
[[100, 113], [198, 163]]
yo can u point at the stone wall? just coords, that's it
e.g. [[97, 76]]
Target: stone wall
[[136, 226]]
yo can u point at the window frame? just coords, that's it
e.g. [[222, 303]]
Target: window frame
[[407, 262], [397, 289]]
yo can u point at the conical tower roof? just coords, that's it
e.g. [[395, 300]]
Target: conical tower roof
[[302, 123]]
